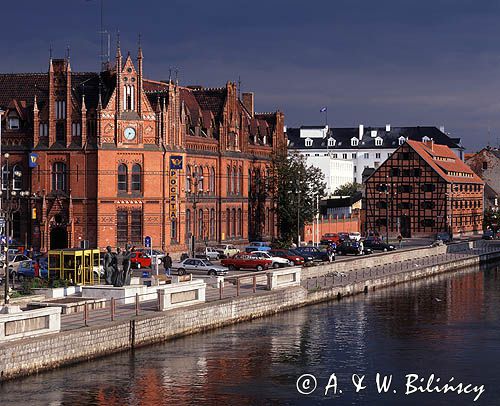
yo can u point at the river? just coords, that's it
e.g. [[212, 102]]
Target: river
[[448, 326]]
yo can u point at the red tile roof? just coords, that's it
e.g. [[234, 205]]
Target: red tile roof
[[444, 161]]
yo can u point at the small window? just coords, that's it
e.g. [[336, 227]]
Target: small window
[[406, 172], [354, 142], [382, 204], [382, 188], [309, 142], [14, 123], [378, 142], [353, 155], [425, 138], [417, 172], [122, 178], [405, 155], [366, 155], [428, 187], [394, 172], [377, 155], [427, 223], [344, 156], [427, 204], [331, 142], [405, 205], [136, 178], [401, 140], [334, 156], [405, 188], [355, 169], [485, 165], [381, 222]]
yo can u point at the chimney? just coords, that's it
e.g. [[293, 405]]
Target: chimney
[[387, 128], [361, 131], [441, 128], [248, 102]]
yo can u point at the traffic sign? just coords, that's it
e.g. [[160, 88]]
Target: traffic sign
[[147, 241]]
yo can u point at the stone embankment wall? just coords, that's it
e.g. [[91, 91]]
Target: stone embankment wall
[[27, 356]]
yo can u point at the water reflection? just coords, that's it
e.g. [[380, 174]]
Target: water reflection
[[395, 331]]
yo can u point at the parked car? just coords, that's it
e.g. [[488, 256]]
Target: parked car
[[199, 266], [14, 263], [140, 260], [147, 251], [26, 269], [276, 262], [343, 236], [227, 250], [378, 245], [258, 246], [293, 258], [445, 237], [355, 236], [246, 261], [328, 238], [488, 235], [350, 247], [316, 254], [209, 253]]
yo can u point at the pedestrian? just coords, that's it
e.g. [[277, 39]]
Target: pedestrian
[[400, 240], [36, 269], [167, 263]]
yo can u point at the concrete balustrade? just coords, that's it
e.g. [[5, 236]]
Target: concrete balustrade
[[283, 278], [181, 294], [16, 324]]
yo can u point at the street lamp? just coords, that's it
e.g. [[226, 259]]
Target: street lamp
[[195, 196], [12, 205]]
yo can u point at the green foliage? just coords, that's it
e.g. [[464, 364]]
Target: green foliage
[[29, 284], [296, 189], [491, 220], [348, 189], [60, 283]]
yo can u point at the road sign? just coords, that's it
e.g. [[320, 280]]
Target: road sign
[[147, 241]]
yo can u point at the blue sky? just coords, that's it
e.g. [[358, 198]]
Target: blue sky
[[401, 62]]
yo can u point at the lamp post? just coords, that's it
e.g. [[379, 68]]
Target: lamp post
[[12, 204], [194, 194]]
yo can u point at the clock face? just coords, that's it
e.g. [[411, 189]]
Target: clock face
[[129, 133]]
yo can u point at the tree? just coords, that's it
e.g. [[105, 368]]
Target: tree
[[491, 220], [296, 187], [347, 189]]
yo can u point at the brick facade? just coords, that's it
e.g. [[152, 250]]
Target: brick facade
[[121, 157]]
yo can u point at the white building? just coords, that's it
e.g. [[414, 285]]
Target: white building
[[338, 150]]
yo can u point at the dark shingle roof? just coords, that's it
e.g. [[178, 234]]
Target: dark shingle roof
[[390, 138]]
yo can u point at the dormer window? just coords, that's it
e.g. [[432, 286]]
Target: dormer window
[[402, 140], [14, 123], [309, 142], [354, 142], [425, 138], [331, 142], [378, 142], [373, 133]]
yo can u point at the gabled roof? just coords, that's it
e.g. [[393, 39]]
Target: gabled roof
[[444, 162], [390, 138]]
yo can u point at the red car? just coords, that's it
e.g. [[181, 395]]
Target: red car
[[293, 258], [140, 260], [329, 238], [246, 261]]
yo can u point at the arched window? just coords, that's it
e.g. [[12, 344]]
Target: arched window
[[233, 218], [188, 179], [268, 221], [122, 178], [188, 223], [234, 180], [17, 177], [331, 142], [240, 181], [249, 181], [229, 183], [228, 223], [5, 177], [59, 177], [402, 140], [378, 142], [212, 224], [212, 180], [201, 180], [354, 142], [136, 178], [200, 224], [240, 223]]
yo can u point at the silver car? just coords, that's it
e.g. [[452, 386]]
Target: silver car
[[199, 266]]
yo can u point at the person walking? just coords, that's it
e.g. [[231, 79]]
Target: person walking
[[400, 240], [167, 263]]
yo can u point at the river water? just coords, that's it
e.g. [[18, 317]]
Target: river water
[[448, 326]]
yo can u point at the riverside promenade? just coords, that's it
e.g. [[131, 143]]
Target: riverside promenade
[[99, 332]]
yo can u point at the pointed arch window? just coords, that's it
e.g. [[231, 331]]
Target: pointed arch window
[[233, 218], [212, 224], [402, 140], [5, 177], [212, 180], [59, 177], [17, 177], [188, 179], [136, 178], [228, 223], [240, 223], [122, 178]]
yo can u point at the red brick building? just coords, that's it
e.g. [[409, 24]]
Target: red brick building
[[120, 157], [421, 190]]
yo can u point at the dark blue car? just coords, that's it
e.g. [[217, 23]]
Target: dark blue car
[[27, 270]]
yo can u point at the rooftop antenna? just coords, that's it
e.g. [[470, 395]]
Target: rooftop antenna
[[104, 56], [50, 51], [176, 76], [67, 52], [170, 75], [239, 87]]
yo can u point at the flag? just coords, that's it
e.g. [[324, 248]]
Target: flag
[[323, 109]]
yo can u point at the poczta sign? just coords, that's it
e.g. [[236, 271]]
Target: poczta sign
[[175, 167]]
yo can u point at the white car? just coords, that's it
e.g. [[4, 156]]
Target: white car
[[355, 236], [277, 262], [209, 253]]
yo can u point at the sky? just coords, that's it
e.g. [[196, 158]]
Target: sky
[[398, 62]]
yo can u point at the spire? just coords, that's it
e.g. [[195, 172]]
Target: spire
[[139, 53], [84, 108], [35, 105], [99, 102], [118, 50]]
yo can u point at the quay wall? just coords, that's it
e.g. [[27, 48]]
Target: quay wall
[[27, 356]]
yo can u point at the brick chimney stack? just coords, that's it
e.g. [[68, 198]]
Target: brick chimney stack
[[248, 102]]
